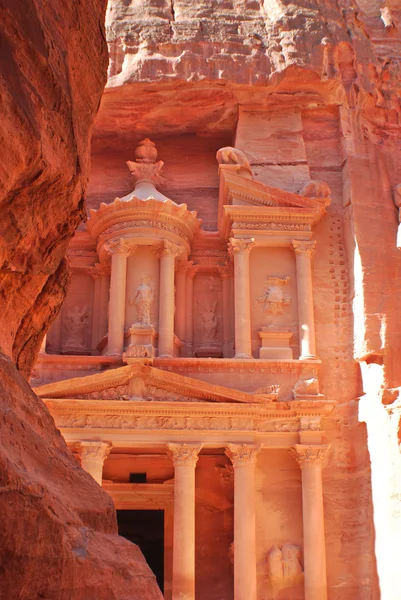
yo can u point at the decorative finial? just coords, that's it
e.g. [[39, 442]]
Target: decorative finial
[[146, 169]]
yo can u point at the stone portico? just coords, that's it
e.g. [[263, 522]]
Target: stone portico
[[187, 358]]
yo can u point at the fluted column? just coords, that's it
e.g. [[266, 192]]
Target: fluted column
[[168, 255], [119, 251], [189, 314], [243, 458], [241, 248], [303, 256], [180, 297], [93, 454], [226, 273], [184, 457], [310, 459]]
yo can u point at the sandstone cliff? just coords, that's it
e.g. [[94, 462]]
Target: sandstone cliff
[[58, 529]]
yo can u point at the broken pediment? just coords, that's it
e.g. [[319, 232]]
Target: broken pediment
[[143, 382], [247, 204]]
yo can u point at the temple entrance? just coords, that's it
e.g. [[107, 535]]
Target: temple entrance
[[146, 529]]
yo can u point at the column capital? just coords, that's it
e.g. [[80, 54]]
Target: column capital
[[99, 270], [184, 454], [226, 271], [240, 245], [169, 248], [120, 246], [240, 454], [94, 449], [310, 456], [302, 247]]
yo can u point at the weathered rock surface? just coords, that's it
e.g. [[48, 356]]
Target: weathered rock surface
[[58, 529]]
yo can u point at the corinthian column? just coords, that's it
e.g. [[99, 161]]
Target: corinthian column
[[310, 459], [93, 455], [119, 251], [180, 310], [189, 315], [243, 458], [169, 253], [226, 273], [303, 256], [241, 250], [184, 457]]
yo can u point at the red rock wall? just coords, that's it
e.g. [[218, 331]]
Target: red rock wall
[[58, 530], [321, 78]]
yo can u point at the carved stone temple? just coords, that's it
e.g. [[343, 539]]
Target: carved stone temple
[[183, 371]]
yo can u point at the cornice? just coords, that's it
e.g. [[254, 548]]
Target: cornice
[[266, 205], [134, 213]]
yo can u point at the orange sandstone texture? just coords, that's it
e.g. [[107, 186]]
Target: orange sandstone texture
[[58, 530], [308, 90]]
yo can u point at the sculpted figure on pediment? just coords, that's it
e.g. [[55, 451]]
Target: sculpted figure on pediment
[[143, 301], [232, 156], [274, 300], [316, 189]]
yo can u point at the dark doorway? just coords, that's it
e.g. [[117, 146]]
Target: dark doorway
[[146, 529]]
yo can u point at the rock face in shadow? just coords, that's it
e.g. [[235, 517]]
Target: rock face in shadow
[[58, 528], [52, 72]]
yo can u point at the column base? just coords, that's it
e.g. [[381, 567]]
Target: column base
[[243, 355], [308, 357]]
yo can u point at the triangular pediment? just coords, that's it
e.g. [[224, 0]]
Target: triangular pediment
[[143, 382]]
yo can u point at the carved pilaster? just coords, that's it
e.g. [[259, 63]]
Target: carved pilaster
[[241, 454], [99, 270], [226, 271], [184, 454], [310, 456]]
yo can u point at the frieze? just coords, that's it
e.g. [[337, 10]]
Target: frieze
[[92, 418], [275, 368], [272, 226], [143, 223]]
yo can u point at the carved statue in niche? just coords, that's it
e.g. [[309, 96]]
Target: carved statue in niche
[[77, 328], [209, 320], [284, 566], [143, 301], [274, 300]]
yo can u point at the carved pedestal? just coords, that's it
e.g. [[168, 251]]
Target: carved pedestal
[[141, 342], [275, 344]]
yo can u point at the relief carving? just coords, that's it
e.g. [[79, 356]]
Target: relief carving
[[274, 300], [76, 329], [209, 320], [306, 387], [284, 566]]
